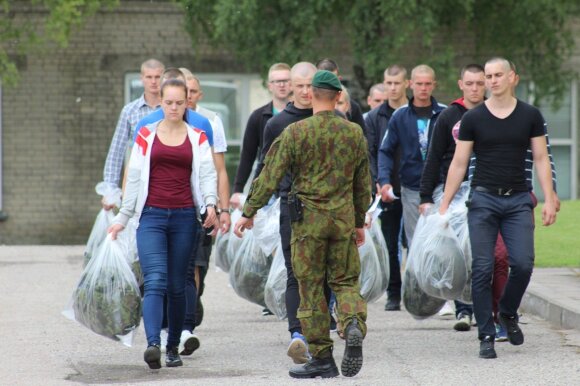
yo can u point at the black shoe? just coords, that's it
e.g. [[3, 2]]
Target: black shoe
[[486, 349], [198, 312], [316, 367], [514, 333], [266, 312], [153, 357], [172, 358], [353, 358], [393, 304]]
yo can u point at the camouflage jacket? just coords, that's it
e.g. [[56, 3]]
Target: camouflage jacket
[[328, 158]]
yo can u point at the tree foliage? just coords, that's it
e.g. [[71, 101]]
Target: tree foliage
[[534, 34], [21, 35]]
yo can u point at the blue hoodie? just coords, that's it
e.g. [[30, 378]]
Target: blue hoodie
[[402, 132]]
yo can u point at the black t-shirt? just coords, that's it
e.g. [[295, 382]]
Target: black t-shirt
[[500, 145]]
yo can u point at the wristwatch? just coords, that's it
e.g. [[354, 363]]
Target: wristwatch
[[225, 210]]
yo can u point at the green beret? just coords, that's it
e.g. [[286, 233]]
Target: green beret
[[326, 79]]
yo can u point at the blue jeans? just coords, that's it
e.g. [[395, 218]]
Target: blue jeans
[[165, 238], [513, 217]]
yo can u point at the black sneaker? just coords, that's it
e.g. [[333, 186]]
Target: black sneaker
[[153, 357], [198, 312], [316, 367], [266, 312], [514, 333], [172, 358], [393, 304], [486, 349], [353, 358]]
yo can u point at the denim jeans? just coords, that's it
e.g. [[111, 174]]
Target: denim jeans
[[165, 238], [512, 216]]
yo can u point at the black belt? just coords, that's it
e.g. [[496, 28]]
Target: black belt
[[496, 191]]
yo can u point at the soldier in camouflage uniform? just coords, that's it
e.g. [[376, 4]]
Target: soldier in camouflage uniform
[[328, 158]]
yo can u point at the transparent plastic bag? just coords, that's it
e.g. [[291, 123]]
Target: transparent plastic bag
[[267, 227], [249, 270], [111, 196], [128, 241], [419, 304], [458, 220], [370, 278], [275, 290], [440, 268], [107, 299], [382, 253], [223, 254], [98, 233]]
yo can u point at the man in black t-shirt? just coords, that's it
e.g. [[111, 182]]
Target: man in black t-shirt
[[499, 131]]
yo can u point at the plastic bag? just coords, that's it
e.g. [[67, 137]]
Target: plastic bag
[[419, 304], [249, 270], [267, 227], [440, 268], [370, 279], [98, 233], [458, 220], [275, 290], [382, 253], [111, 196], [107, 298], [128, 241], [222, 253]]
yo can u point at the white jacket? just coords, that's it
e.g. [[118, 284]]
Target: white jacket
[[203, 174]]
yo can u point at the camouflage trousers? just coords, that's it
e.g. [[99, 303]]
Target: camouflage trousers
[[323, 248]]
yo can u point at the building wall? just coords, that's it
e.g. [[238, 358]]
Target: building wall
[[58, 122]]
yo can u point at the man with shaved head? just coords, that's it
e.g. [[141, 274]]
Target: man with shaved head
[[301, 76], [408, 134], [499, 132]]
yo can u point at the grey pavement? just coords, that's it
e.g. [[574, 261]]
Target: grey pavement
[[241, 347]]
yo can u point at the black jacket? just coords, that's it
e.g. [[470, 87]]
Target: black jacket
[[441, 149], [273, 129], [376, 124], [252, 143]]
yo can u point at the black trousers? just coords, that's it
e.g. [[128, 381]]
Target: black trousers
[[391, 228]]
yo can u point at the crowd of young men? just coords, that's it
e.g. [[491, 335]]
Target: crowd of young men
[[412, 146]]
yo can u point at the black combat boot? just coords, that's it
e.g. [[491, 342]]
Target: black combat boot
[[323, 366], [353, 358]]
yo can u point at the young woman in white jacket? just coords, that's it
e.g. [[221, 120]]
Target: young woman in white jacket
[[170, 175]]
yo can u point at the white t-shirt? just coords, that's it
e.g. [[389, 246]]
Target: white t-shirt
[[219, 136]]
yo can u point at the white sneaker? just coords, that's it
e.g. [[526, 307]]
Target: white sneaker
[[163, 337], [447, 310], [188, 343]]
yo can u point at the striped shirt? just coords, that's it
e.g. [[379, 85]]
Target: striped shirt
[[131, 114]]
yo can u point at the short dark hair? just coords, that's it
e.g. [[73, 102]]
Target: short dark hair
[[174, 82], [395, 70], [324, 93], [473, 67], [327, 64]]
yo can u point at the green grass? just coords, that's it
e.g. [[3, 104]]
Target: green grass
[[559, 244]]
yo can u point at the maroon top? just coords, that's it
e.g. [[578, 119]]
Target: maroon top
[[170, 174]]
